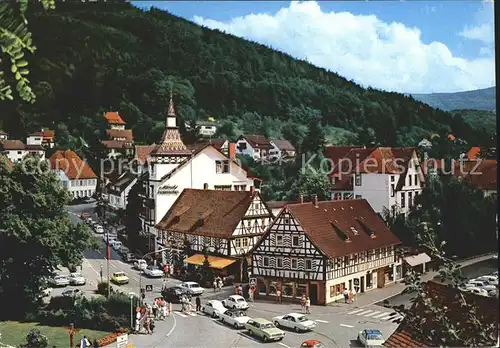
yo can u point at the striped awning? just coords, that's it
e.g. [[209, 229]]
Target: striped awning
[[416, 260], [215, 262]]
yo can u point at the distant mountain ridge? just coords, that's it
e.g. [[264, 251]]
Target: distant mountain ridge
[[479, 99]]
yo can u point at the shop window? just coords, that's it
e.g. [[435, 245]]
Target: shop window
[[273, 288], [261, 286], [332, 291], [287, 289], [301, 289]]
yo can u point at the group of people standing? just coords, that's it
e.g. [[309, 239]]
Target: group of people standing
[[217, 284], [158, 310], [348, 295], [305, 303]]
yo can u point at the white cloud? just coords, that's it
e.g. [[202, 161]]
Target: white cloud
[[483, 30], [373, 53]]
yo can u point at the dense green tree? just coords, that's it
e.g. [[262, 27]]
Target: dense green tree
[[310, 184], [36, 234], [314, 140], [132, 210]]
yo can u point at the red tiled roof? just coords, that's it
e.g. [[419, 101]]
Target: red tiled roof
[[142, 152], [473, 153], [120, 133], [12, 145], [283, 145], [113, 118], [257, 141], [115, 144], [322, 225], [210, 213], [481, 174], [35, 148], [72, 165], [47, 134], [335, 153], [450, 299]]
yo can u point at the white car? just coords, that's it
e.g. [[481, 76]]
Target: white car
[[153, 272], [193, 288], [294, 321], [76, 279], [140, 264], [71, 293], [213, 308], [45, 292], [235, 318], [491, 280], [98, 229], [370, 338], [116, 244], [60, 280], [235, 302]]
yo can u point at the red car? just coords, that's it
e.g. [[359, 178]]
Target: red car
[[312, 344]]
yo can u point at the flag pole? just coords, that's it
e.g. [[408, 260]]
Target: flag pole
[[108, 252]]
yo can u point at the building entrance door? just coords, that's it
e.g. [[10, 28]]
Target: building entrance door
[[313, 293], [362, 284]]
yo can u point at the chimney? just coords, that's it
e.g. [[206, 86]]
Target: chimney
[[301, 198], [205, 186], [252, 190], [232, 151], [315, 201]]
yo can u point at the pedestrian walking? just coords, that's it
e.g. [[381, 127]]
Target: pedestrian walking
[[166, 271], [308, 305], [198, 304], [96, 343], [350, 296], [278, 296], [215, 284], [346, 295], [240, 290], [147, 326], [251, 292], [84, 343], [303, 303], [154, 308], [220, 284]]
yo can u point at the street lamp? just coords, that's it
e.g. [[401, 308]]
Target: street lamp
[[140, 273], [131, 296]]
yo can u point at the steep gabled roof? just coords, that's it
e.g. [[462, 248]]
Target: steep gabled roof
[[120, 133], [115, 144], [473, 153], [12, 145], [120, 184], [257, 141], [284, 145], [142, 152], [72, 165], [450, 299], [481, 174], [210, 213], [112, 117], [330, 226]]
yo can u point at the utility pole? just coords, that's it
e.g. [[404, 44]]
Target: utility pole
[[108, 252]]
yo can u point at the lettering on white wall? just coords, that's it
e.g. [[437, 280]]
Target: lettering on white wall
[[168, 190]]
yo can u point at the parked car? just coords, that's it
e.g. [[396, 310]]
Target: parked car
[[235, 318], [193, 288], [108, 237], [312, 344], [76, 278], [45, 292], [294, 321], [482, 283], [153, 272], [124, 250], [116, 244], [264, 329], [140, 264], [213, 308], [174, 294], [490, 280], [129, 257], [236, 302], [119, 278], [71, 293], [477, 291], [493, 293], [370, 338], [99, 229], [60, 280]]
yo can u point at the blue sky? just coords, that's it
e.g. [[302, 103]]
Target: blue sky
[[405, 46]]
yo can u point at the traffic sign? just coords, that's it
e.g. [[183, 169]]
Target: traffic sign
[[356, 281], [122, 341], [149, 288], [253, 281], [356, 288]]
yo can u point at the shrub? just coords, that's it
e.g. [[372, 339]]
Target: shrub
[[102, 288], [35, 339]]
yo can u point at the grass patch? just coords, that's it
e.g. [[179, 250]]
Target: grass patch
[[14, 333]]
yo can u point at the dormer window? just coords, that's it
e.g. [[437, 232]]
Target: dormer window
[[354, 231]]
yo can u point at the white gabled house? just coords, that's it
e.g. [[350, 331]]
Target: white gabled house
[[118, 189], [318, 249], [172, 167], [255, 146], [225, 223]]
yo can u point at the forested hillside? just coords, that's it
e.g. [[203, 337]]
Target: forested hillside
[[480, 119], [479, 99], [97, 57]]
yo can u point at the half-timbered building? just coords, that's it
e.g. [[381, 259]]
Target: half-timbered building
[[321, 248], [227, 224]]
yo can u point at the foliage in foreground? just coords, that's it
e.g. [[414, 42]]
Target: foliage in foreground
[[36, 234]]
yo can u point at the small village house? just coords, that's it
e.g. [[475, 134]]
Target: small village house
[[318, 249], [120, 141], [256, 146], [16, 150], [118, 189], [225, 223], [388, 178], [75, 174], [45, 137], [283, 149], [481, 174], [205, 128]]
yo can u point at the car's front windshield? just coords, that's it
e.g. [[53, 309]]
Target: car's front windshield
[[302, 319], [375, 337]]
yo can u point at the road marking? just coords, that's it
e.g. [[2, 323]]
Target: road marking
[[345, 325], [173, 327], [321, 321], [92, 267], [389, 317], [356, 311], [381, 315], [284, 345], [182, 315], [365, 312], [193, 314], [375, 312]]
